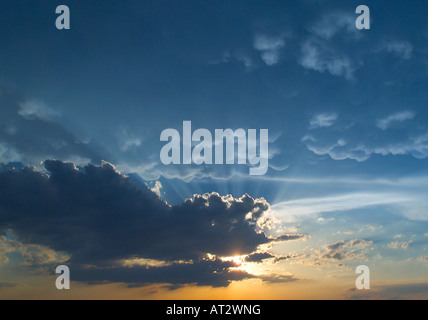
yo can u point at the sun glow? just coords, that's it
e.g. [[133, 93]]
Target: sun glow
[[236, 259], [242, 265]]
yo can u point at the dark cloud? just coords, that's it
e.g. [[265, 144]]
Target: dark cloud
[[279, 278], [345, 250], [286, 237], [259, 257], [334, 255], [336, 246], [213, 273], [100, 218]]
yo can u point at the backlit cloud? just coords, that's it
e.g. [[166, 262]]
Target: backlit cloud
[[98, 217]]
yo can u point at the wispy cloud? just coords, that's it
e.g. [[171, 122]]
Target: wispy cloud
[[246, 59], [36, 110], [32, 254], [387, 122], [416, 146], [336, 254], [8, 153], [402, 49], [317, 56], [339, 150], [332, 24], [402, 245], [322, 120], [240, 56], [127, 141], [298, 209], [269, 47]]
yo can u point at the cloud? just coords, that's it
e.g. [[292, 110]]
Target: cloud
[[259, 257], [416, 146], [32, 255], [278, 278], [99, 218], [401, 49], [338, 151], [403, 245], [318, 56], [323, 120], [29, 134], [269, 47], [36, 255], [337, 254], [345, 250], [293, 210], [127, 141], [6, 247], [229, 56], [152, 169], [157, 188], [8, 154], [333, 23], [32, 110], [319, 53], [213, 273], [385, 123]]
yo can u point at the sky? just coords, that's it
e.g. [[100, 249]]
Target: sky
[[82, 183]]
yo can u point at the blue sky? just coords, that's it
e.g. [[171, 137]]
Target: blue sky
[[346, 109]]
